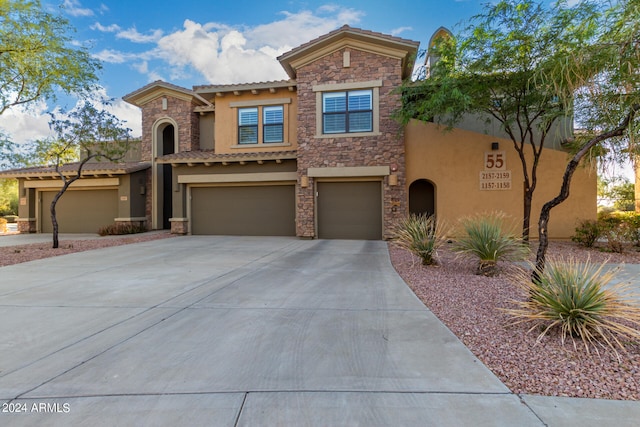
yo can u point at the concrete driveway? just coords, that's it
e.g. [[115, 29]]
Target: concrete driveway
[[235, 331]]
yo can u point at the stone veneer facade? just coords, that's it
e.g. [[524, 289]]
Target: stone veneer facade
[[188, 134], [385, 149]]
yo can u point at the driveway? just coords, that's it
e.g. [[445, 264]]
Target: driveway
[[228, 331]]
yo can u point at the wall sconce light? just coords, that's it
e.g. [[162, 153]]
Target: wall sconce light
[[304, 181], [495, 146], [393, 180], [164, 103]]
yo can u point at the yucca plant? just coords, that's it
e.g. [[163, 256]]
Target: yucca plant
[[579, 299], [421, 235], [486, 239]]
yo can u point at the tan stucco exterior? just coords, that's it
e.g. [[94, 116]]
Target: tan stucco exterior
[[453, 159], [226, 115]]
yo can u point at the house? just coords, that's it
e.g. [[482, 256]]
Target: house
[[315, 156]]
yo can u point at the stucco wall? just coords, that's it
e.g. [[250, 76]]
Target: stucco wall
[[226, 119], [453, 160]]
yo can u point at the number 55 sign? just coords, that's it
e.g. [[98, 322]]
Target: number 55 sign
[[495, 160]]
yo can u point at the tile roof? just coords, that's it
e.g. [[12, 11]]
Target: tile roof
[[352, 30], [91, 168], [243, 86], [357, 33], [210, 157], [133, 96]]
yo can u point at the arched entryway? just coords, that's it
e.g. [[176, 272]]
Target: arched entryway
[[165, 143], [422, 197]]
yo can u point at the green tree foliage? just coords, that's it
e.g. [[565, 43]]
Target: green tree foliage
[[489, 71], [618, 190], [37, 56], [602, 83], [94, 134], [8, 197]]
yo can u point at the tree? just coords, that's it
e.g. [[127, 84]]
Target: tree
[[37, 56], [86, 132], [602, 81], [489, 72], [619, 190]]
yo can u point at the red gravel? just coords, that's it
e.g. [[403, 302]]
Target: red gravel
[[22, 253], [469, 305]]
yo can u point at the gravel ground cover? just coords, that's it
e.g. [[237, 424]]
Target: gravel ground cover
[[469, 305], [22, 253]]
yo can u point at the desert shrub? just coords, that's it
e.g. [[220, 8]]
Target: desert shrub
[[632, 226], [422, 235], [615, 230], [119, 229], [486, 239], [587, 232], [581, 301]]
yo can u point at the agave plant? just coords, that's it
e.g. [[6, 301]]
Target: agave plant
[[581, 301], [422, 235], [486, 239]]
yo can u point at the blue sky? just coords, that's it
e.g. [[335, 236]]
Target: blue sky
[[216, 42]]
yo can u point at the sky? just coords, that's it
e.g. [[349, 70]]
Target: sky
[[191, 43]]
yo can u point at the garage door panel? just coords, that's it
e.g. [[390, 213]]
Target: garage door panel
[[243, 210], [80, 211], [349, 210]]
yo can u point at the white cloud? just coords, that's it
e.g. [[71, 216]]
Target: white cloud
[[400, 30], [73, 8], [105, 29], [235, 55], [134, 36], [26, 124], [113, 56]]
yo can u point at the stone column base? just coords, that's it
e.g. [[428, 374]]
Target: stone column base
[[179, 225], [27, 225]]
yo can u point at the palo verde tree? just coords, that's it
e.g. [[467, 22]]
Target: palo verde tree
[[489, 70], [90, 133], [38, 57], [602, 83]]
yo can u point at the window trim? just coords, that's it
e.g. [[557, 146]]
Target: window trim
[[260, 105], [265, 125], [374, 85], [347, 113], [255, 126]]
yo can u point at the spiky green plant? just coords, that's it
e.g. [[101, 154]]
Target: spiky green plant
[[486, 238], [422, 235], [579, 299]]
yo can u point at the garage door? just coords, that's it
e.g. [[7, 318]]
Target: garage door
[[80, 211], [349, 210], [244, 211]]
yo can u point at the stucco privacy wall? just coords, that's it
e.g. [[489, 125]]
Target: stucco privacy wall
[[383, 149], [452, 161]]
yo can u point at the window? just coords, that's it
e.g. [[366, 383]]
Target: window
[[347, 112], [248, 125], [273, 124]]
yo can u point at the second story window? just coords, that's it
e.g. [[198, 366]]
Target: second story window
[[273, 124], [248, 126], [347, 112]]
